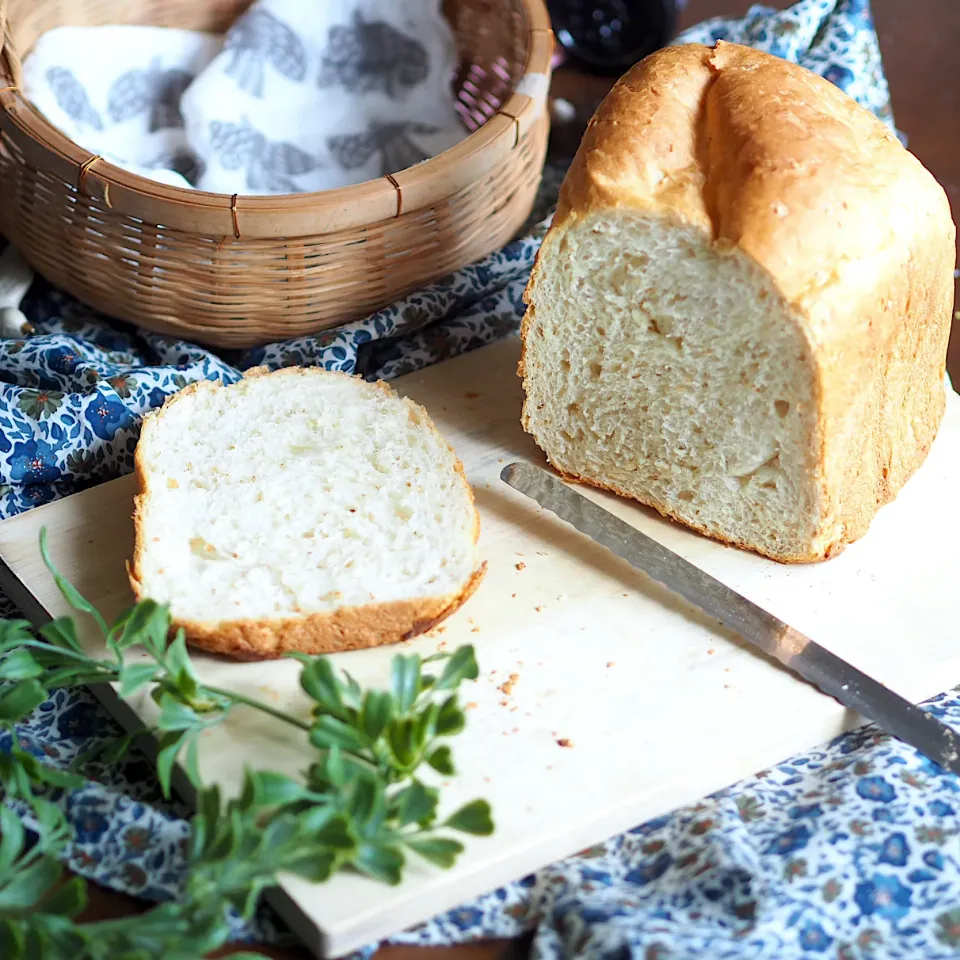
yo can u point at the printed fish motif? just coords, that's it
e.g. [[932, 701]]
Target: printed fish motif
[[260, 38], [154, 89], [270, 165], [393, 141], [185, 162], [368, 56], [72, 98]]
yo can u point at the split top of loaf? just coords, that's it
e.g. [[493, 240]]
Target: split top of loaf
[[740, 313], [301, 510]]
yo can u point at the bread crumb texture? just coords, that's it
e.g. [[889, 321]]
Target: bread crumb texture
[[740, 313], [301, 510]]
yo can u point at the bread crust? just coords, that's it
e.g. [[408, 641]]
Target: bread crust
[[336, 631], [764, 157]]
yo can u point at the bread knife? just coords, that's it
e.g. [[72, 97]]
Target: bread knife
[[799, 654]]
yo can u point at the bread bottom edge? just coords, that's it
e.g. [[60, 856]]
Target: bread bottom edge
[[342, 630]]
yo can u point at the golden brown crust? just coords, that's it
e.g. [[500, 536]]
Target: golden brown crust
[[348, 628], [765, 157]]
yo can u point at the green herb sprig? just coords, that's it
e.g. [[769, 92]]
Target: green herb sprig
[[360, 804]]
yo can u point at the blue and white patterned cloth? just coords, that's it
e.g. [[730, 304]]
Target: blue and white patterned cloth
[[849, 852]]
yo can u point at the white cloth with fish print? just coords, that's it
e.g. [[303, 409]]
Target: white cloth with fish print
[[300, 95], [116, 92]]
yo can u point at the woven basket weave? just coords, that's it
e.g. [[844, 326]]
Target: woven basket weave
[[241, 271]]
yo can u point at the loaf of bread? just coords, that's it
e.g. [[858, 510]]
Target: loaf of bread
[[740, 313], [300, 510]]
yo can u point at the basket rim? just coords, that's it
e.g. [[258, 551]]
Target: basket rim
[[279, 216]]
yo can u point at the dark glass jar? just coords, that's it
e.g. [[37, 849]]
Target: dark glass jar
[[610, 36]]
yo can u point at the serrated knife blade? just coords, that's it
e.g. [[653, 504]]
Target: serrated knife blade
[[798, 653]]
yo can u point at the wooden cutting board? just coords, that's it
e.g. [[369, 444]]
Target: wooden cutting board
[[603, 700]]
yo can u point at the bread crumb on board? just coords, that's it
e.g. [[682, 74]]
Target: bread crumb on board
[[564, 742], [521, 565], [506, 688]]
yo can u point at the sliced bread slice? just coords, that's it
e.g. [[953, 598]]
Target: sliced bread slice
[[301, 510]]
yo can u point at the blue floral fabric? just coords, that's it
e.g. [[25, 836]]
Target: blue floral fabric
[[849, 852]]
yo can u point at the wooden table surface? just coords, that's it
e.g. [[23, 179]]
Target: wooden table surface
[[919, 43]]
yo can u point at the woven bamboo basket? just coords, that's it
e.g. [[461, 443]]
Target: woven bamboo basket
[[235, 272]]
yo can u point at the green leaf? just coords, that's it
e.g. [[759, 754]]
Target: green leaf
[[179, 667], [170, 744], [337, 835], [406, 681], [279, 832], [376, 713], [210, 804], [461, 666], [191, 761], [439, 850], [381, 862], [69, 591], [13, 944], [328, 732], [135, 676], [415, 804], [176, 715], [442, 761], [352, 691], [425, 726], [320, 683], [53, 828], [362, 799], [20, 701], [119, 624], [146, 624], [62, 779], [473, 818], [334, 768], [451, 719], [400, 738], [317, 867], [204, 823], [68, 900], [16, 768], [62, 633], [274, 789], [78, 676], [317, 816], [11, 839], [27, 887], [19, 665]]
